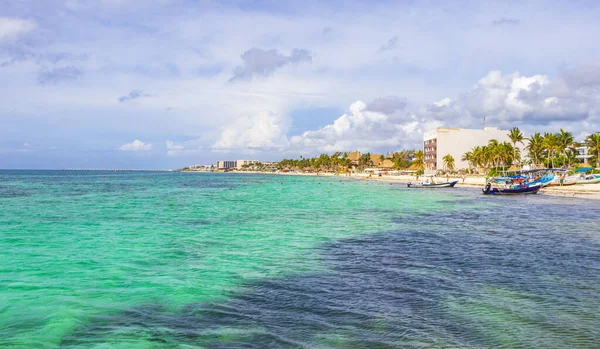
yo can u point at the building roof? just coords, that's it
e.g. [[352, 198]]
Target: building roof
[[354, 156], [376, 159], [387, 163]]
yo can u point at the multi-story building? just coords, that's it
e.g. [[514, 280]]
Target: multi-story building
[[226, 164], [240, 163], [583, 153], [234, 164], [456, 142]]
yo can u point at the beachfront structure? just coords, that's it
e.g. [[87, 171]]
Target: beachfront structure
[[354, 158], [239, 164], [226, 164], [583, 154], [456, 142], [234, 164]]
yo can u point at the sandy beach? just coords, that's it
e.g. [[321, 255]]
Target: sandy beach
[[588, 191]]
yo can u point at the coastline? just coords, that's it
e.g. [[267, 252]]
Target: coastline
[[585, 191]]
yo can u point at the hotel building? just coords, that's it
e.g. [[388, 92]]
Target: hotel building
[[456, 142], [234, 164]]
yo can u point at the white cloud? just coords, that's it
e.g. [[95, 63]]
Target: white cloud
[[516, 100], [362, 129], [136, 145], [11, 28], [266, 130]]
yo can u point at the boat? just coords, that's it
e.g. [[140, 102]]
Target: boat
[[588, 179], [512, 190], [450, 184], [566, 179]]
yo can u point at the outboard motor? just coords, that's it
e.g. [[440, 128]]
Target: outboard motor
[[488, 188]]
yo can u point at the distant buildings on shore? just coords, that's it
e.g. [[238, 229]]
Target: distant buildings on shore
[[456, 142], [234, 164]]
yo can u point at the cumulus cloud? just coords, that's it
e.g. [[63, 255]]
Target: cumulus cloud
[[134, 94], [136, 145], [264, 63], [266, 130], [57, 75], [390, 45], [505, 100], [582, 76], [361, 129], [387, 105], [12, 28], [513, 100]]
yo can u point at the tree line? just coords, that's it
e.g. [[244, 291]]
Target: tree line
[[338, 161], [543, 150]]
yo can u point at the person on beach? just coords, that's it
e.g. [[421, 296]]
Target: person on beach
[[463, 178]]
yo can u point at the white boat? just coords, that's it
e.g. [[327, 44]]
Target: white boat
[[588, 179], [432, 185], [431, 182], [567, 180]]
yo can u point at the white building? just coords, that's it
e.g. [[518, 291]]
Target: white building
[[226, 164], [583, 153], [240, 163], [456, 142], [234, 164]]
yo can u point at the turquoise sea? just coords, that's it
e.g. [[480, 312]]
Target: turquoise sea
[[197, 260]]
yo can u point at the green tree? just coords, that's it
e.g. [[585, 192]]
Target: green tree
[[565, 141], [593, 142], [468, 157], [550, 143], [419, 159], [448, 162], [535, 147], [516, 136]]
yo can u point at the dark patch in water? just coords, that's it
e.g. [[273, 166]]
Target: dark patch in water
[[425, 288]]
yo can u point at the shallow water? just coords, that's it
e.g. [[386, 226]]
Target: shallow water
[[188, 260]]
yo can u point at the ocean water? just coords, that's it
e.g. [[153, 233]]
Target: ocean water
[[189, 260]]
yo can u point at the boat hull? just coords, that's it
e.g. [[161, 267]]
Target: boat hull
[[569, 180], [437, 185], [519, 191], [588, 181]]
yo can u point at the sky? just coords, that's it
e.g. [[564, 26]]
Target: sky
[[167, 83]]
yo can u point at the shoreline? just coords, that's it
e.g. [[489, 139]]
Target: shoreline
[[585, 191]]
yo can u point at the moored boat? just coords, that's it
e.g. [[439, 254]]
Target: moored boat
[[566, 180], [432, 185], [512, 190], [589, 179]]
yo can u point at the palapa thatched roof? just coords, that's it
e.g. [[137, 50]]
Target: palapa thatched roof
[[376, 159], [354, 156], [386, 164]]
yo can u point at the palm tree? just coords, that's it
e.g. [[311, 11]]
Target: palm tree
[[364, 160], [448, 162], [468, 157], [480, 157], [593, 142], [565, 140], [550, 143], [516, 136], [534, 147], [419, 160]]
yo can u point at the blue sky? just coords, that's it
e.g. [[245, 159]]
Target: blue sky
[[167, 83]]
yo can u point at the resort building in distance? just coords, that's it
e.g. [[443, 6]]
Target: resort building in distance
[[234, 164], [456, 142]]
